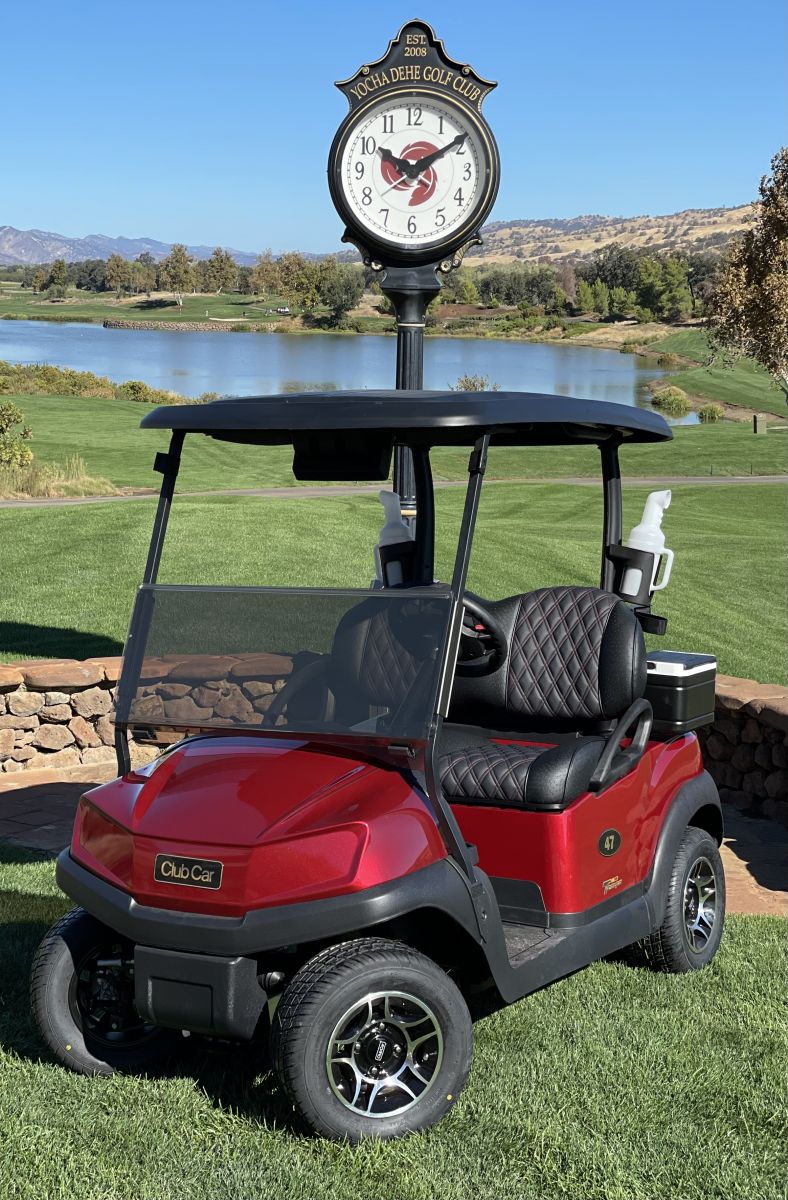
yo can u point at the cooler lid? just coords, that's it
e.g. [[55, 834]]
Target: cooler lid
[[678, 662]]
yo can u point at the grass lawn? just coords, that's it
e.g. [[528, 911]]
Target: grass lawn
[[71, 571], [103, 306], [615, 1084], [106, 434], [745, 383]]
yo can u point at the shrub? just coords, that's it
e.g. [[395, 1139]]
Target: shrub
[[711, 412], [13, 451], [141, 393], [672, 400], [668, 360], [475, 383]]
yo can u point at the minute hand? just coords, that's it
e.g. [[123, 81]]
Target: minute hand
[[422, 164]]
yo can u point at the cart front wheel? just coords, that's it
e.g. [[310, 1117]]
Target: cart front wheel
[[82, 996], [371, 1039]]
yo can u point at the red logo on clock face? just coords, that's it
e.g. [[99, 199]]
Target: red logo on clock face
[[421, 189]]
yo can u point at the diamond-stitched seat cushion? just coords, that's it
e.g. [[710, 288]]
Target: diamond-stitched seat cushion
[[524, 776]]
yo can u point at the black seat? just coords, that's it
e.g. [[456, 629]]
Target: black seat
[[576, 660]]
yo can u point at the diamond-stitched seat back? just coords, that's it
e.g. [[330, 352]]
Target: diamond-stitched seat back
[[576, 654]]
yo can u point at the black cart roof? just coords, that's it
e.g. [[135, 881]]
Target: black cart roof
[[434, 418]]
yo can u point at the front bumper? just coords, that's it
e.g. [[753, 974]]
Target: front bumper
[[437, 886]]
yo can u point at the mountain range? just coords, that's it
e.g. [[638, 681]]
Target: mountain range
[[504, 241]]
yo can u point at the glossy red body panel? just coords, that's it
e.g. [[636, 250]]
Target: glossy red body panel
[[289, 821], [294, 821], [559, 850]]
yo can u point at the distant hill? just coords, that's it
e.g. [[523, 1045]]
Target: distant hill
[[30, 246], [577, 237], [504, 241]]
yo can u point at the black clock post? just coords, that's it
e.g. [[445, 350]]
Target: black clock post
[[413, 172]]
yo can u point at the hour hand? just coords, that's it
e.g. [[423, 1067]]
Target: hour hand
[[416, 169], [401, 164]]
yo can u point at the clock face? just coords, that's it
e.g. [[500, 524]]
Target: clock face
[[413, 172]]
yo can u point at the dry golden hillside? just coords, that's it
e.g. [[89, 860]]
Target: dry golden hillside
[[693, 229]]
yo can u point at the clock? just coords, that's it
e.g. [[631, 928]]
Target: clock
[[413, 169]]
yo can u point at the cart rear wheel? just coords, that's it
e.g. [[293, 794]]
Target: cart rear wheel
[[690, 933], [82, 995], [371, 1039]]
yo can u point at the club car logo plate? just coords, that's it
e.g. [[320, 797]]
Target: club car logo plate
[[188, 872]]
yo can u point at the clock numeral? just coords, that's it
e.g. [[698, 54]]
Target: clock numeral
[[440, 124], [366, 196], [414, 116], [468, 172], [385, 213], [359, 169], [368, 145], [439, 217], [460, 149], [458, 197], [388, 122], [411, 224]]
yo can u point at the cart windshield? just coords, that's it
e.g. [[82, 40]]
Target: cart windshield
[[361, 663]]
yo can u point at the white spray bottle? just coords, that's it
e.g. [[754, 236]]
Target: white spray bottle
[[394, 530], [648, 536]]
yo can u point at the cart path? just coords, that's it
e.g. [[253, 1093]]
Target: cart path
[[356, 489], [37, 810]]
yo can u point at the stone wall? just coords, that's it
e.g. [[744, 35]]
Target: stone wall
[[57, 714], [746, 749]]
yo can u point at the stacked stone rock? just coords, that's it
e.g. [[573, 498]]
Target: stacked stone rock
[[210, 689], [58, 714], [746, 749]]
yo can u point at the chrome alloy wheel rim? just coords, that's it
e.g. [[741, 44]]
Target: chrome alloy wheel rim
[[700, 904], [384, 1054]]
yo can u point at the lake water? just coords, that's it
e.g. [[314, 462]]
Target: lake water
[[249, 364]]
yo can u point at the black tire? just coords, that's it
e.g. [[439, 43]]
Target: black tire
[[324, 994], [672, 947], [63, 983]]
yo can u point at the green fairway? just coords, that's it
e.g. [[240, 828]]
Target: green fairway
[[71, 570], [615, 1084], [103, 306], [106, 434], [744, 384]]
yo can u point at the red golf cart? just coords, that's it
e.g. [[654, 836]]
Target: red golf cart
[[372, 805]]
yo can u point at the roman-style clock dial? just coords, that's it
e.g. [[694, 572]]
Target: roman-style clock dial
[[413, 171]]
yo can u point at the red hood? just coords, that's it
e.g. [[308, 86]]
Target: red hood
[[289, 819]]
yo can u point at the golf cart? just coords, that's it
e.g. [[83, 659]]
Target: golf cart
[[374, 806]]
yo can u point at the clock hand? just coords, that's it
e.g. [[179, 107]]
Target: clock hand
[[401, 164], [421, 164]]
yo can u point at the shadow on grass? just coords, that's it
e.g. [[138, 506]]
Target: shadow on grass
[[48, 641]]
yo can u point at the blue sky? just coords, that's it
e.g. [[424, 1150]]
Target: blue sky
[[210, 123]]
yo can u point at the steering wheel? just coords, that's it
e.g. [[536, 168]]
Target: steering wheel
[[483, 641]]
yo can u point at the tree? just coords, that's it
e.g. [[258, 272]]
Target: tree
[[341, 288], [144, 273], [118, 274], [13, 451], [651, 285], [585, 297], [748, 306], [39, 280], [222, 271], [263, 277], [58, 276], [176, 273], [676, 297], [601, 298], [299, 281], [621, 302]]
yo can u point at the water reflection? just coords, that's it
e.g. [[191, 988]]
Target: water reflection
[[248, 364]]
